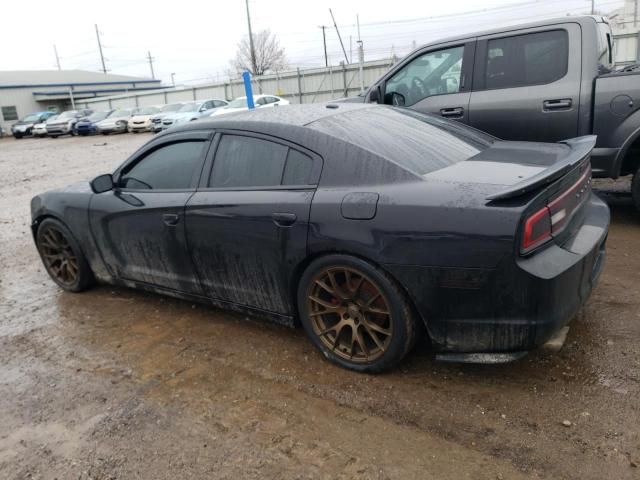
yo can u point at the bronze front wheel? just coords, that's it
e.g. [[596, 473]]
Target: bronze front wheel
[[62, 256], [355, 314]]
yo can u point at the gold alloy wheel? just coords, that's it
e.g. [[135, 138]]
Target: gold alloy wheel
[[58, 256], [350, 314]]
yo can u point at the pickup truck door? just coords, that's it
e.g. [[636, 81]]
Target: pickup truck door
[[526, 84], [435, 80]]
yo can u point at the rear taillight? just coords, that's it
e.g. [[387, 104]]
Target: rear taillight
[[541, 226], [537, 230]]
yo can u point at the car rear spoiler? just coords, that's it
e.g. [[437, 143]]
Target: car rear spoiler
[[581, 148]]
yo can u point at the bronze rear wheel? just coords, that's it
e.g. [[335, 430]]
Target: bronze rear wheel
[[350, 314]]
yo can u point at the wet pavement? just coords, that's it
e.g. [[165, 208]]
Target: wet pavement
[[118, 384]]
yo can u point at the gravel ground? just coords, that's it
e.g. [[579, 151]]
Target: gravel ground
[[117, 384]]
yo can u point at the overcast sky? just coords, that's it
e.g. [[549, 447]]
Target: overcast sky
[[197, 39]]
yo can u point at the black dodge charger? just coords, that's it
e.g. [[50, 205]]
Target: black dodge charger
[[368, 225]]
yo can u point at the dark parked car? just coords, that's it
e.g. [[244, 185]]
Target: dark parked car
[[87, 125], [366, 223], [544, 81], [25, 126]]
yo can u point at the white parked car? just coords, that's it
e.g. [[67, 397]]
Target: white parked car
[[260, 101], [192, 111], [40, 129], [141, 121], [116, 122]]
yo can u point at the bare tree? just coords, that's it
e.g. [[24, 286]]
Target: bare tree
[[270, 56]]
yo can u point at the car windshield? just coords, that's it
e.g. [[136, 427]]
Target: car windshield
[[238, 103], [50, 119], [97, 116], [147, 111], [67, 114], [417, 142], [34, 117], [121, 113], [172, 107], [189, 107]]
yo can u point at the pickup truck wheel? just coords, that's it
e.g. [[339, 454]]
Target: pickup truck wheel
[[635, 189]]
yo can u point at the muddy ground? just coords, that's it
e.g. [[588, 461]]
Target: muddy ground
[[116, 384]]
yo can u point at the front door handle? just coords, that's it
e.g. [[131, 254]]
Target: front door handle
[[284, 219], [456, 112], [557, 104], [170, 219]]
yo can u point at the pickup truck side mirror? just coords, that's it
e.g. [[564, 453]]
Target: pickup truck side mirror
[[394, 98], [102, 183]]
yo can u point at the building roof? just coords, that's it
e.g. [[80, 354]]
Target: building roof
[[39, 78]]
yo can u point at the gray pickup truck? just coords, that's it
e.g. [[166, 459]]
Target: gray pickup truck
[[545, 81]]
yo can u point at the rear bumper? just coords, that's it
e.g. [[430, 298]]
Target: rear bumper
[[519, 305]]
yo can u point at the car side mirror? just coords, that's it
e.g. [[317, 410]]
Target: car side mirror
[[373, 95], [102, 183]]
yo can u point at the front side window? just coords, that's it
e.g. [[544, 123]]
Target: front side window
[[168, 167], [247, 162], [434, 73], [531, 59]]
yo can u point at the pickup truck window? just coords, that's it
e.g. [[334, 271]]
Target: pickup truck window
[[530, 59], [433, 73], [605, 48]]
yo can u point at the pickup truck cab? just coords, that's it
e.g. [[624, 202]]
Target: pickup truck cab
[[545, 81]]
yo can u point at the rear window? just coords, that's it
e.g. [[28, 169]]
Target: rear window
[[417, 142]]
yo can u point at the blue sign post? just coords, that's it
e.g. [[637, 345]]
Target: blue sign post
[[246, 76]]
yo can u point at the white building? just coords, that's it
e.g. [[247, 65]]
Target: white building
[[23, 92], [625, 23]]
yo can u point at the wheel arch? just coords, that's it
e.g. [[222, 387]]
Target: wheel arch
[[630, 155], [302, 266]]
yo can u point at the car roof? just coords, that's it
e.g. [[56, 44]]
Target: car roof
[[581, 19], [284, 115]]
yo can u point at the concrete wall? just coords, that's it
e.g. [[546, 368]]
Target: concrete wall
[[297, 86]]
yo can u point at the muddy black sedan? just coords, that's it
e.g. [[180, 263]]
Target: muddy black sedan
[[370, 226]]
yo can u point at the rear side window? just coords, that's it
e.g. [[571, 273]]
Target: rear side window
[[417, 142], [169, 167], [248, 162], [531, 59]]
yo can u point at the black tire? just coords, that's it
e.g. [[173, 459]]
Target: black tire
[[635, 189], [54, 136], [395, 319], [17, 137], [53, 257]]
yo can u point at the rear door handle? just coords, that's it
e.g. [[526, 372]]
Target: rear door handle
[[170, 219], [557, 104], [456, 112], [284, 219]]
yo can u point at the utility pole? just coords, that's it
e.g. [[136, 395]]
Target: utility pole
[[55, 50], [339, 37], [360, 56], [593, 7], [153, 75], [104, 69], [173, 79], [324, 41], [253, 51]]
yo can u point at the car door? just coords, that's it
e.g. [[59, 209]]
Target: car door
[[436, 80], [247, 223], [527, 85], [139, 226]]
